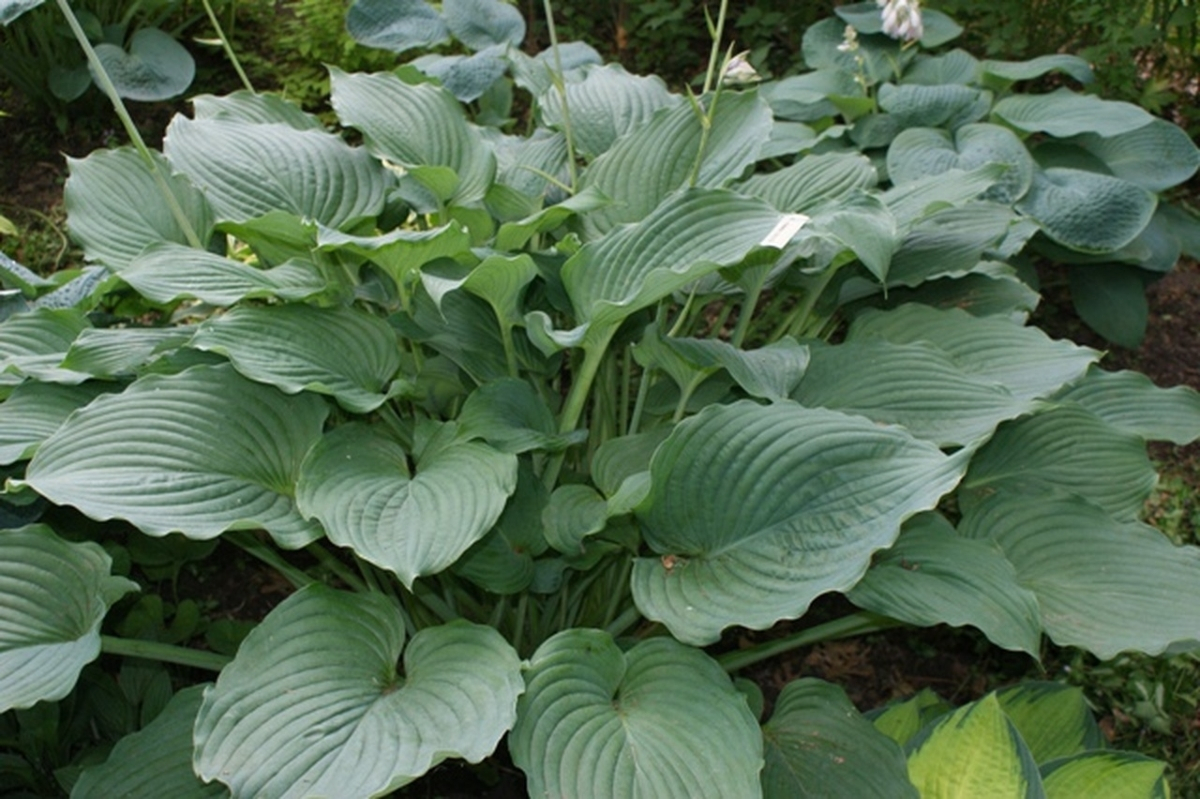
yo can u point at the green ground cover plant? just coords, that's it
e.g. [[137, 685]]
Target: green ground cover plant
[[532, 410]]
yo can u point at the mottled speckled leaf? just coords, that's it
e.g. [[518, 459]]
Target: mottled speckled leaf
[[660, 720], [155, 67], [325, 662]]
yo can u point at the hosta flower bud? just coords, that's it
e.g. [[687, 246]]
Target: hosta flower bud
[[738, 71], [849, 40], [902, 19]]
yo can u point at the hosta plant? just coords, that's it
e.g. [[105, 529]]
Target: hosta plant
[[553, 406]]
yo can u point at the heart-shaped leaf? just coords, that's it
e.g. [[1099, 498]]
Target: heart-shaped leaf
[[920, 152], [757, 510], [817, 744], [341, 351], [53, 597], [358, 484], [1086, 211], [480, 24], [324, 662], [156, 67], [659, 720], [198, 452]]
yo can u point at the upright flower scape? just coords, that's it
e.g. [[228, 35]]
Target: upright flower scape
[[537, 411]]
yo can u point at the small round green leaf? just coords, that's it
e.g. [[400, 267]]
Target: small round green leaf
[[818, 745], [314, 705], [53, 597], [156, 67], [659, 720]]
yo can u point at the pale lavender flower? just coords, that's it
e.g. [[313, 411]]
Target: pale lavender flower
[[739, 72], [849, 40]]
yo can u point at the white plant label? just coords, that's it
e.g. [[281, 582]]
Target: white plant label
[[784, 229]]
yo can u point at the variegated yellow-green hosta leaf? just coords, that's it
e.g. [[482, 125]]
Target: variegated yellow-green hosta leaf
[[1054, 719], [757, 510], [902, 720], [660, 720], [1105, 585], [357, 483], [341, 351], [1113, 775], [198, 452], [154, 762], [115, 209], [817, 744], [315, 704], [974, 751], [932, 575], [53, 597]]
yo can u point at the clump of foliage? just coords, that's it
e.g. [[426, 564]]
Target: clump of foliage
[[555, 409]]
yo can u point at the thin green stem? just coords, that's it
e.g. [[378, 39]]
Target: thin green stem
[[715, 52], [746, 316], [557, 79], [233, 59], [626, 388], [510, 348], [685, 395], [581, 386], [164, 653], [252, 546], [859, 623], [340, 570], [799, 318], [640, 403], [622, 623], [106, 85]]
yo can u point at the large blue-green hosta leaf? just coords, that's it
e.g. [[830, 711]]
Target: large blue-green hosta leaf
[[1156, 156], [659, 157], [342, 351], [812, 181], [1102, 584], [659, 720], [818, 745], [53, 597], [198, 452], [1130, 402], [396, 25], [247, 170], [114, 208], [33, 345], [11, 9], [1086, 211], [154, 762], [34, 411], [605, 105], [169, 272], [1064, 113], [358, 484], [155, 67], [757, 510], [314, 704], [920, 152], [261, 109], [108, 353], [1066, 448], [1024, 360], [480, 24], [421, 128], [974, 751], [931, 575]]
